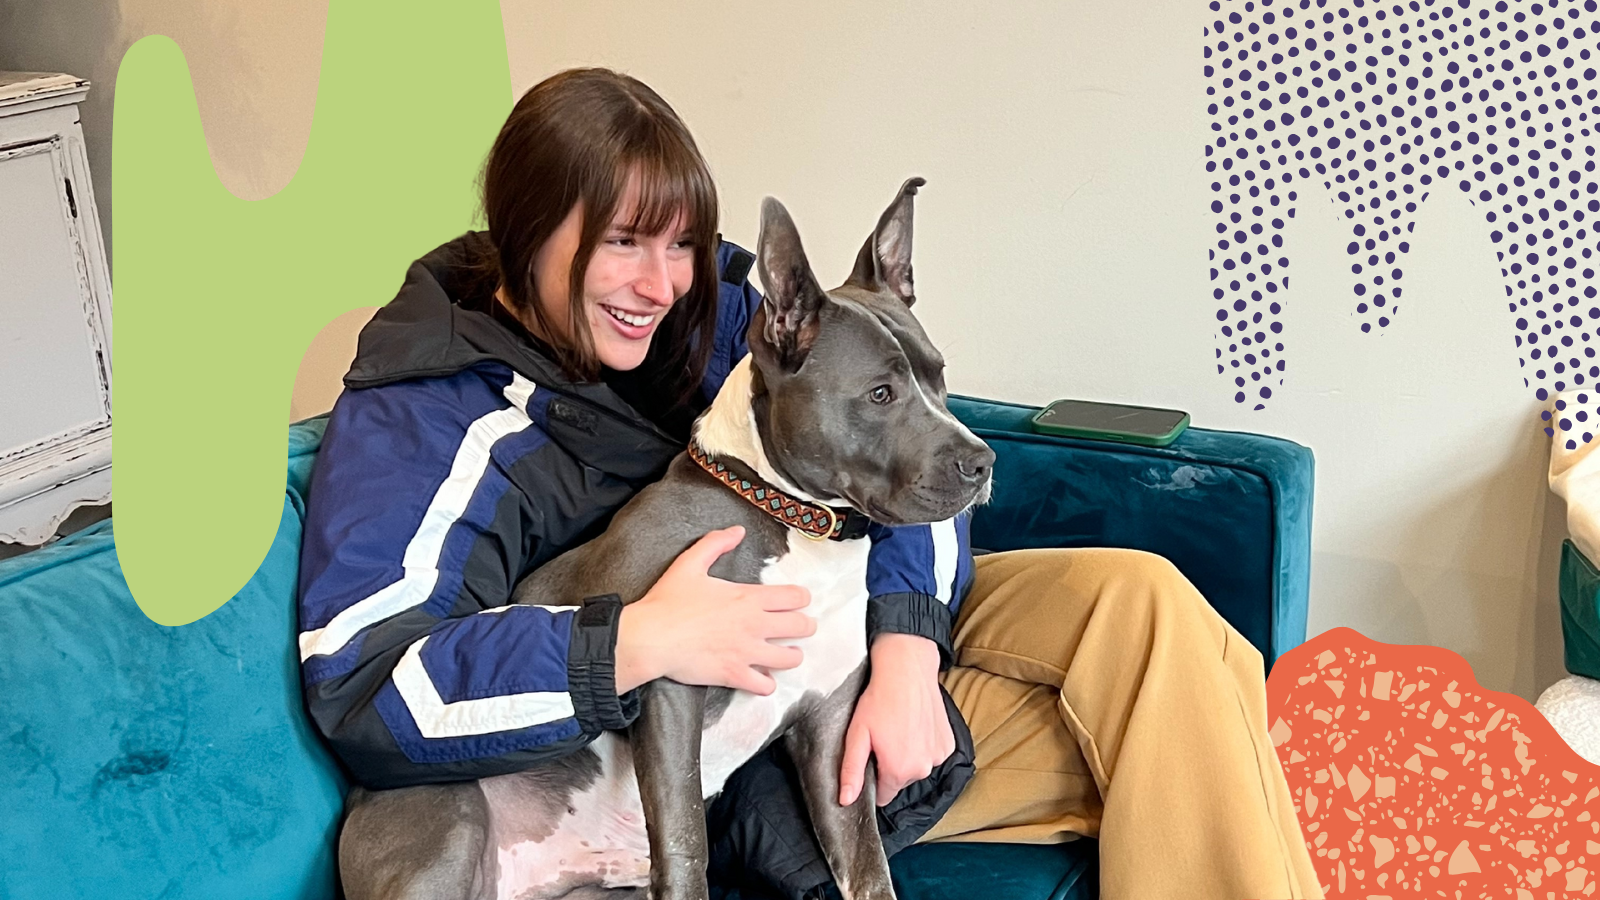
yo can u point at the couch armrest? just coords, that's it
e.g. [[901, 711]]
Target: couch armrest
[[1231, 510]]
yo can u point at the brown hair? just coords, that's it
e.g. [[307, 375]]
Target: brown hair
[[578, 136]]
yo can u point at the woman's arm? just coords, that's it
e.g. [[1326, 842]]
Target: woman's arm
[[416, 667], [916, 578], [413, 666], [900, 719]]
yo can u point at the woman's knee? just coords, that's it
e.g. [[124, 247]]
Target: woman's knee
[[1124, 602], [1073, 583], [1147, 586], [1143, 566], [1071, 573]]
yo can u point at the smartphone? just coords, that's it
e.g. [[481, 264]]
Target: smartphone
[[1144, 425]]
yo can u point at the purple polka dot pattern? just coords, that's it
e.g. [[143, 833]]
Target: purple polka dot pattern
[[1380, 104], [1566, 413]]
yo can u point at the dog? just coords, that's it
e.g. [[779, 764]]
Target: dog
[[836, 415]]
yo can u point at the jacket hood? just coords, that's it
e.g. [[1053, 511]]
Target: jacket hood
[[424, 332]]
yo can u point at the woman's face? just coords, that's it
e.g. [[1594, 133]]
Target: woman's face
[[631, 283]]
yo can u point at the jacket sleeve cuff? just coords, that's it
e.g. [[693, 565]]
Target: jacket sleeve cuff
[[912, 613], [592, 668]]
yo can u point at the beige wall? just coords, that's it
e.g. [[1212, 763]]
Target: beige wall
[[1061, 243], [254, 66], [320, 378]]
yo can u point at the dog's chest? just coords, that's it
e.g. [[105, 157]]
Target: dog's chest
[[601, 838], [835, 572]]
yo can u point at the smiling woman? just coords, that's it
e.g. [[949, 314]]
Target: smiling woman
[[522, 386], [603, 217]]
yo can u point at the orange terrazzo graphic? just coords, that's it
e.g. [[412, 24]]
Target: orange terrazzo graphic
[[1412, 781]]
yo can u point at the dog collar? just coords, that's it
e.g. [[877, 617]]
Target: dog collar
[[814, 520]]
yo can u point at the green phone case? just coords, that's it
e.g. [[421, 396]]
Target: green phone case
[[1099, 434]]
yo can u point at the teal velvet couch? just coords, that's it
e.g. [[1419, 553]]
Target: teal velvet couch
[[1580, 611], [141, 761]]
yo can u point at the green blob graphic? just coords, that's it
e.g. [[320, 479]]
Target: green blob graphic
[[217, 298]]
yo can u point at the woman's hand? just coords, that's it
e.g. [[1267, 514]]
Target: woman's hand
[[900, 719], [696, 629]]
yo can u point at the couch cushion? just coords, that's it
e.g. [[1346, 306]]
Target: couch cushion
[[1231, 510], [1580, 611], [140, 760], [968, 871], [985, 871]]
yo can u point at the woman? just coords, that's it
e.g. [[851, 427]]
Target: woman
[[527, 381]]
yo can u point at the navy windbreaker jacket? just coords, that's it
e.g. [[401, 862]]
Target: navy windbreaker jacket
[[459, 459]]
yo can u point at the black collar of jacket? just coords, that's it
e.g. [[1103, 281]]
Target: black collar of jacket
[[424, 333]]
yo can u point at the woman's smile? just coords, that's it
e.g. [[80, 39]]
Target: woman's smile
[[631, 325]]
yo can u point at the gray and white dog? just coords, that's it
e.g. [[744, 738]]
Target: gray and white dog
[[841, 401]]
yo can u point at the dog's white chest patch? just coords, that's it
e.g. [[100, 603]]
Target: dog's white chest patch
[[601, 838], [835, 572]]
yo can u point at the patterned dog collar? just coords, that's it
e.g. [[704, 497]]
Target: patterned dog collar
[[814, 520]]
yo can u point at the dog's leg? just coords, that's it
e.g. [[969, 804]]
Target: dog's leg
[[848, 834], [666, 757], [418, 843]]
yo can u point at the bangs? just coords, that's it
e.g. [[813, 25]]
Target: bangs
[[672, 180]]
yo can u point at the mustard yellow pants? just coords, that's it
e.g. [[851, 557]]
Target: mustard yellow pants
[[1108, 699]]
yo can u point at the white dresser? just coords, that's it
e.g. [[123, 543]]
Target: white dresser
[[55, 312]]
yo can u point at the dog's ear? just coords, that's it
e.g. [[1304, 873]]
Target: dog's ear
[[885, 259], [793, 298]]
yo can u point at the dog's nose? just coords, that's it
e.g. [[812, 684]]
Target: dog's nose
[[974, 466]]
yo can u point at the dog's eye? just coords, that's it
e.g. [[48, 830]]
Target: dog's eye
[[882, 394]]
